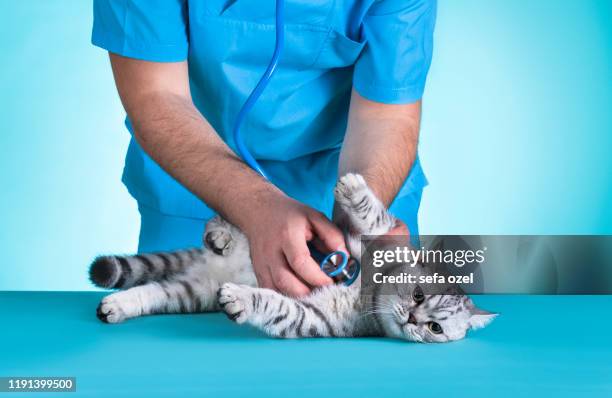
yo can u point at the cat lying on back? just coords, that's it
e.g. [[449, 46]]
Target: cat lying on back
[[220, 277]]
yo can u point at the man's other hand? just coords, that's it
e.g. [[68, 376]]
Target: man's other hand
[[400, 229]]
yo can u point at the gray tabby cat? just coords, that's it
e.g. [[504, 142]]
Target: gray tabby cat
[[220, 277]]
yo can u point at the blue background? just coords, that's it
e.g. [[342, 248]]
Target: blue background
[[516, 137]]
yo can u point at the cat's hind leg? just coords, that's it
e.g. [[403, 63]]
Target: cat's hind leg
[[224, 239], [183, 294]]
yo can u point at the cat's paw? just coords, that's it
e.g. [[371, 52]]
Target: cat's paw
[[352, 191], [109, 310], [218, 236], [234, 300], [219, 241]]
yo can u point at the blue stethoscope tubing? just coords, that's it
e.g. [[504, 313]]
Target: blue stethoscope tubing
[[248, 158], [243, 151]]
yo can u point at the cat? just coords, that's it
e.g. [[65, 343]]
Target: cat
[[220, 277]]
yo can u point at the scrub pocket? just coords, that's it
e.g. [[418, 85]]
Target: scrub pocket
[[230, 30], [241, 36], [339, 51]]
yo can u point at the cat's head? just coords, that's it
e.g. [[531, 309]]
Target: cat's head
[[425, 318]]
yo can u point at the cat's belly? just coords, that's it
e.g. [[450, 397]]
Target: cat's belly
[[234, 269]]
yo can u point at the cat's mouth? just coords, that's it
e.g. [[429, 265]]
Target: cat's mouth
[[403, 316], [409, 332], [404, 321]]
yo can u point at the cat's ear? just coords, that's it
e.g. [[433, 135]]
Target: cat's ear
[[480, 318]]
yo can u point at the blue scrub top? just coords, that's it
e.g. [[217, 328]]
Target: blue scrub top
[[297, 127]]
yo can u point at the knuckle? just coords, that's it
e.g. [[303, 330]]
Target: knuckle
[[317, 215], [323, 279], [266, 284], [285, 233], [297, 260], [320, 283], [300, 291], [336, 239], [288, 286], [280, 280]]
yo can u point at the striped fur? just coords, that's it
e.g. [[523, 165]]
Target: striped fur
[[220, 277], [122, 272]]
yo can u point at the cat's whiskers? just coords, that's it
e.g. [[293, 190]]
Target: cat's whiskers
[[385, 309]]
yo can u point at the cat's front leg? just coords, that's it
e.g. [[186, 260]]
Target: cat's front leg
[[366, 213], [275, 314]]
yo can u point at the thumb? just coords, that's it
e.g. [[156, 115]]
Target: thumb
[[330, 235]]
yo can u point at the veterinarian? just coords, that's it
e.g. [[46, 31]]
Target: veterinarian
[[340, 101]]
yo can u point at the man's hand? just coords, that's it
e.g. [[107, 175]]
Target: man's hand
[[400, 229], [278, 229]]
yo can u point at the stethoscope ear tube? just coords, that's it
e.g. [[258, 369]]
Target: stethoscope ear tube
[[241, 148]]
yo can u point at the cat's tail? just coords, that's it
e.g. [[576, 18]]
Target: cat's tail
[[122, 272]]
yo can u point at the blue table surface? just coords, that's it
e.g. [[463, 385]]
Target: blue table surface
[[557, 346]]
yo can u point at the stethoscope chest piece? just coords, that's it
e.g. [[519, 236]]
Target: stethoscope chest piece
[[341, 268]]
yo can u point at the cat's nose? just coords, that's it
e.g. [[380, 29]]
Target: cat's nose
[[412, 319]]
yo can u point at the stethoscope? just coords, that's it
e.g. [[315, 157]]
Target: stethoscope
[[337, 265]]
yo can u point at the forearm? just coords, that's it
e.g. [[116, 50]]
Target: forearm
[[380, 144], [173, 132]]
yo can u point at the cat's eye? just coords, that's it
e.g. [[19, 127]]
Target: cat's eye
[[435, 327], [417, 295]]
